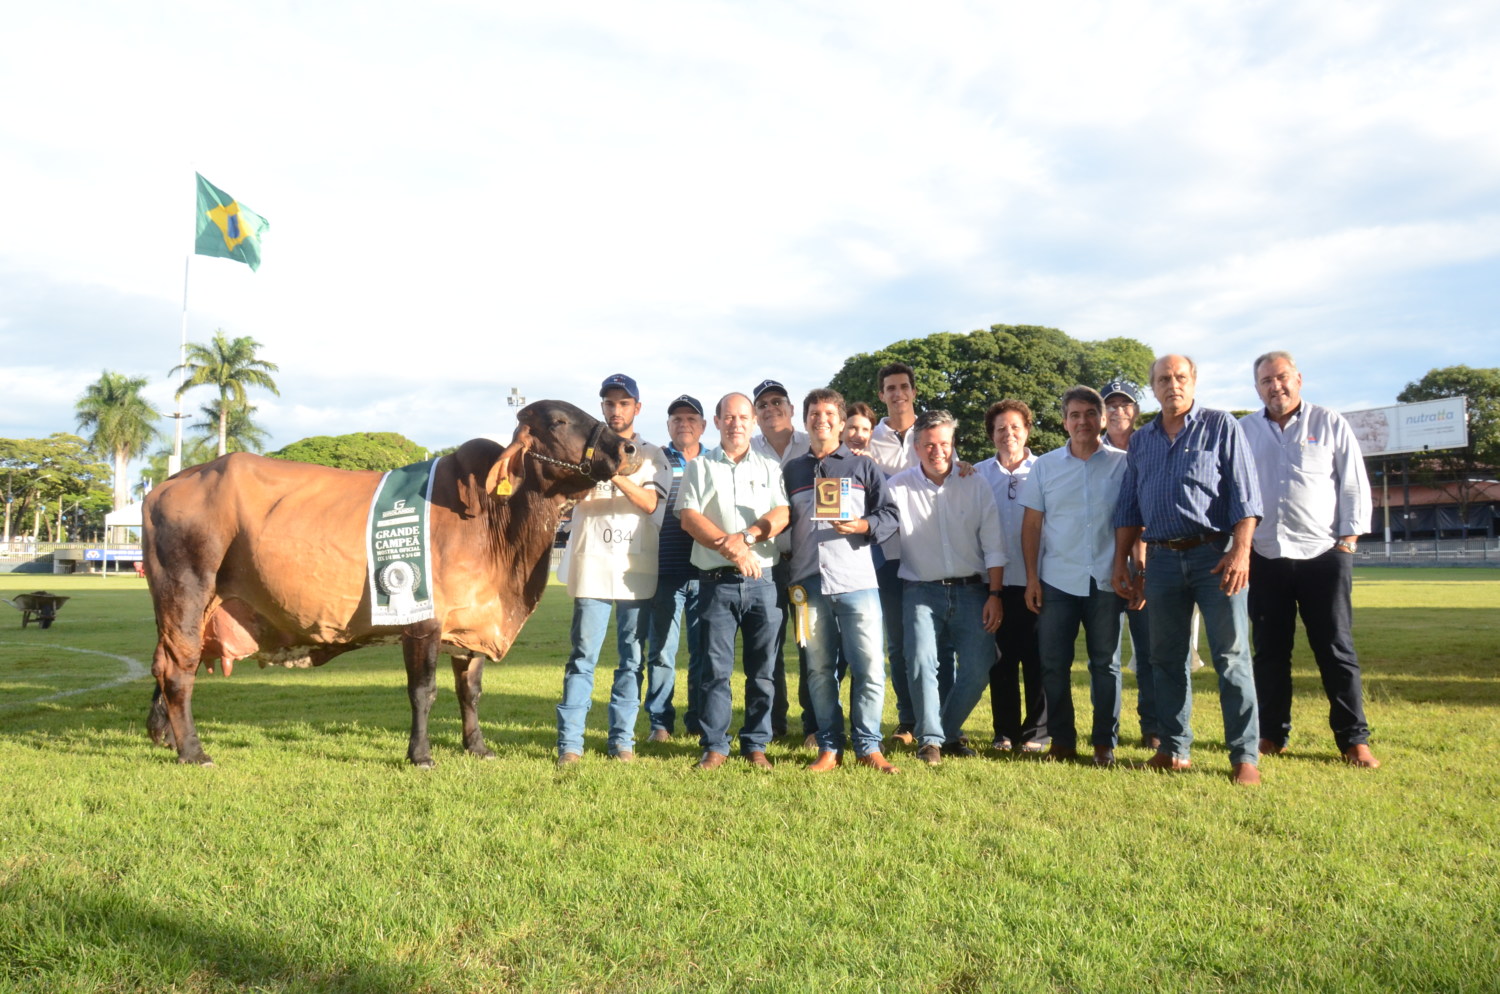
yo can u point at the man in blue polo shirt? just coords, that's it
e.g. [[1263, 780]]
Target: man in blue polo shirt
[[839, 509], [675, 606], [1191, 492]]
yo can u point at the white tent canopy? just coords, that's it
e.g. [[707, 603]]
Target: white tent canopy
[[128, 516]]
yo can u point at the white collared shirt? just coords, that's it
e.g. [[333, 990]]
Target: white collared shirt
[[1313, 483], [893, 453], [799, 445], [947, 531], [1005, 485]]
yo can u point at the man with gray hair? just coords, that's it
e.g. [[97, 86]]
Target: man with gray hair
[[1190, 491], [952, 565], [1068, 542], [1318, 503]]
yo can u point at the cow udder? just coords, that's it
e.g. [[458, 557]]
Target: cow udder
[[230, 634]]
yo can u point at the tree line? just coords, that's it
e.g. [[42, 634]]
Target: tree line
[[48, 481]]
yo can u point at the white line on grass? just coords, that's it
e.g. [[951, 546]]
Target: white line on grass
[[134, 670]]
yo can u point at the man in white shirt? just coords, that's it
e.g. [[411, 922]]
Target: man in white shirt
[[611, 563], [733, 503], [1317, 504], [952, 562], [1068, 541], [781, 441]]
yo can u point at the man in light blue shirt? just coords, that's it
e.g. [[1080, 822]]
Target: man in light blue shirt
[[1068, 542], [733, 503]]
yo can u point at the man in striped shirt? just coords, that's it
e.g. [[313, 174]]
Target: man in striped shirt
[[1191, 492]]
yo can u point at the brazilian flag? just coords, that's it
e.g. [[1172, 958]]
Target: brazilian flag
[[226, 227]]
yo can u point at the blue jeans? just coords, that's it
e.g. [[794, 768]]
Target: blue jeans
[[850, 621], [1140, 646], [727, 606], [1175, 581], [590, 622], [892, 591], [676, 598], [934, 612], [1056, 631]]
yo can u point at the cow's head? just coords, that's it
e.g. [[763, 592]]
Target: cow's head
[[564, 449]]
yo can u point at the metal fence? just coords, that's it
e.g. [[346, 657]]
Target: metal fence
[[1441, 552]]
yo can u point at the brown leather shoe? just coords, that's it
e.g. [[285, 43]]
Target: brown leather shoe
[[1164, 762], [827, 760], [1104, 756], [1057, 754], [710, 761], [568, 759], [930, 754], [623, 756], [1245, 774], [660, 735], [903, 734], [1361, 756], [1269, 748], [811, 742], [758, 759], [877, 762], [1152, 742]]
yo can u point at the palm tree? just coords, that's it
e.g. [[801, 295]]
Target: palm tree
[[240, 432], [231, 366], [118, 421]]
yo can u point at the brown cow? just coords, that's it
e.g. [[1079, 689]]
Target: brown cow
[[263, 558]]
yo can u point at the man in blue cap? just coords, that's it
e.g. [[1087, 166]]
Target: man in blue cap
[[674, 609], [611, 563]]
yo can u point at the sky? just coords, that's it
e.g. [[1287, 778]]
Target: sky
[[471, 198]]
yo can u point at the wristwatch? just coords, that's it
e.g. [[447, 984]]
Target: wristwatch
[[748, 536], [994, 593], [1346, 546]]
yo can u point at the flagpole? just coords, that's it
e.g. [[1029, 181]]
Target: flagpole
[[174, 464]]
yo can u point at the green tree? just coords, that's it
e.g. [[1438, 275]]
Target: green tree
[[50, 481], [965, 374], [241, 433], [228, 365], [1456, 471], [119, 422], [361, 450]]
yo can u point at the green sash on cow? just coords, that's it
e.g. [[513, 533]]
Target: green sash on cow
[[398, 549]]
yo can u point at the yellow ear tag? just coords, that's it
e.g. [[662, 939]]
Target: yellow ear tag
[[504, 489]]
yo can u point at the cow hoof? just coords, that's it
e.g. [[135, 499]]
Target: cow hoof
[[200, 761], [482, 753], [423, 764]]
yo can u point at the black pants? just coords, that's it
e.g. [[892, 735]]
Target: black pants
[[1319, 589], [1016, 642]]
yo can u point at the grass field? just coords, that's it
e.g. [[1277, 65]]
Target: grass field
[[311, 858]]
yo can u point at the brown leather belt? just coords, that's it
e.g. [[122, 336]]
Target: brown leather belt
[[1183, 544]]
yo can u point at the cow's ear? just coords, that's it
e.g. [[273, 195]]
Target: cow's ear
[[506, 474]]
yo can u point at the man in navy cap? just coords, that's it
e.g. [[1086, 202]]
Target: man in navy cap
[[675, 606], [780, 441], [611, 563]]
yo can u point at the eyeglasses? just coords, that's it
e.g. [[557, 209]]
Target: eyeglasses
[[1012, 486], [761, 405]]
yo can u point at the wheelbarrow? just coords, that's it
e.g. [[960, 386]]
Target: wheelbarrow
[[38, 606]]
